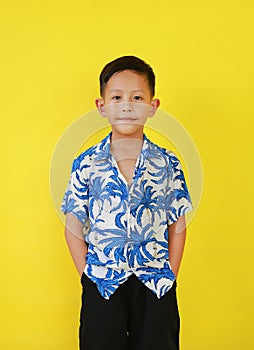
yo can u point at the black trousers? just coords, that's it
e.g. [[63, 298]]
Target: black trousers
[[132, 319]]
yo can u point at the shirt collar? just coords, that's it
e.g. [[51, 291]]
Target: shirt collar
[[102, 151]]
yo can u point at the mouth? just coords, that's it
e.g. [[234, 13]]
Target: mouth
[[127, 119]]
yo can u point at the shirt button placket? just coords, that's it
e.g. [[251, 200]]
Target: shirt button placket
[[129, 219], [128, 222]]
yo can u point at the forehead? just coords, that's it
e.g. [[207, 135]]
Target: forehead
[[127, 79]]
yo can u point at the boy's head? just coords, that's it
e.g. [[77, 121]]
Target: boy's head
[[127, 90], [127, 63]]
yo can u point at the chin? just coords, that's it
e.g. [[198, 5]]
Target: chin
[[127, 129]]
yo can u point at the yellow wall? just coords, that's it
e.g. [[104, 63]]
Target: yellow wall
[[51, 55]]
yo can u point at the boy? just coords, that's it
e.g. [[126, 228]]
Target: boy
[[125, 226]]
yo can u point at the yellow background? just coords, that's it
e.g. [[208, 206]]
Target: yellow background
[[51, 56]]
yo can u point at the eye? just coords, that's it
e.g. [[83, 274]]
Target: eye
[[137, 98], [117, 97]]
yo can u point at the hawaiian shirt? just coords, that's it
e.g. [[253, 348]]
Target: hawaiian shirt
[[126, 226]]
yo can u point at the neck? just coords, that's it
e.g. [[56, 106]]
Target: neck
[[126, 148], [137, 135]]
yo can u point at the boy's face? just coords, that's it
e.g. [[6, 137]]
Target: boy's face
[[127, 103]]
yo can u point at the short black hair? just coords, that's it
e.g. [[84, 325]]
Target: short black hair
[[131, 63]]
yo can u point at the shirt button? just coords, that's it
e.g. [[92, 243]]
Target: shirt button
[[154, 249]]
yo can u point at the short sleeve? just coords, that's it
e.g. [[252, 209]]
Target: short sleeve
[[178, 201], [76, 196]]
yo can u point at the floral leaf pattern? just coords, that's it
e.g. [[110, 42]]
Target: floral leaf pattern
[[126, 226]]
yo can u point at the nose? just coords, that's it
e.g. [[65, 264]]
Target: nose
[[127, 107]]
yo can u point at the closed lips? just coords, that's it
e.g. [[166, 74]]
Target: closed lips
[[126, 119]]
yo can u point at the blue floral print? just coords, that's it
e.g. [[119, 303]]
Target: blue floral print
[[126, 226]]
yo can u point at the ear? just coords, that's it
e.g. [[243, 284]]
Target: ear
[[100, 106], [154, 105]]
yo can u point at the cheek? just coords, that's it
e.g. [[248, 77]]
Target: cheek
[[142, 110], [112, 110]]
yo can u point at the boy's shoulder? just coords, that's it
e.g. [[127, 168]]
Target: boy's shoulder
[[100, 149], [158, 151]]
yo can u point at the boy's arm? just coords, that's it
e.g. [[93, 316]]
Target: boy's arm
[[77, 246], [176, 242]]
